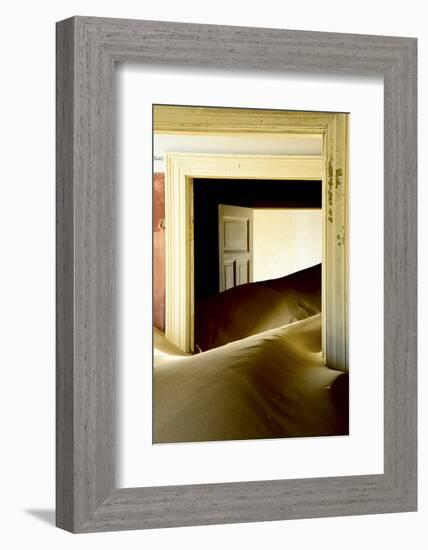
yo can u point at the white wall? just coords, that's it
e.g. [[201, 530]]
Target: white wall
[[286, 241], [295, 145], [27, 352]]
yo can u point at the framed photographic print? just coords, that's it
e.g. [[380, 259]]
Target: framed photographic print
[[236, 274]]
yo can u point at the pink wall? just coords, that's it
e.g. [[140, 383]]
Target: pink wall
[[158, 251]]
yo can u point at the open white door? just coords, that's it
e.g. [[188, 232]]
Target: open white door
[[235, 232]]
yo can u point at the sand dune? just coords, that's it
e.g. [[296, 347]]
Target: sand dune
[[269, 385], [263, 376], [163, 349], [257, 307]]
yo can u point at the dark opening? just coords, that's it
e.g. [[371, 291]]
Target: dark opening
[[209, 193]]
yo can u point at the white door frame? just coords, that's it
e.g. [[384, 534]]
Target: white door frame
[[181, 169], [331, 168]]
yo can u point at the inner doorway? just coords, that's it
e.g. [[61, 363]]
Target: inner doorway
[[250, 232], [250, 195]]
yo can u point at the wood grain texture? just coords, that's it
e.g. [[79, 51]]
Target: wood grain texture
[[178, 119], [64, 278], [87, 49]]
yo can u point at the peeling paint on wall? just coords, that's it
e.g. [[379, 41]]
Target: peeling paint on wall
[[330, 192], [341, 237], [339, 184], [335, 190], [339, 176]]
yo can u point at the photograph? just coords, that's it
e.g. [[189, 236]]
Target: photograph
[[243, 203], [210, 264]]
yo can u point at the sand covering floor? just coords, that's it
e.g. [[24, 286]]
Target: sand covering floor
[[256, 307], [262, 376]]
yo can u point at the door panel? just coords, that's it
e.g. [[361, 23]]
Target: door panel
[[235, 245], [229, 274], [242, 269], [235, 235]]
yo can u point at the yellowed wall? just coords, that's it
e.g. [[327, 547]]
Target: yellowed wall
[[286, 241], [251, 145]]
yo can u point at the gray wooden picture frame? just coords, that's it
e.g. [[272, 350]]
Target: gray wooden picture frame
[[87, 50]]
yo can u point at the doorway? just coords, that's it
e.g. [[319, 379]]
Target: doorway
[[183, 168], [248, 232], [214, 198]]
